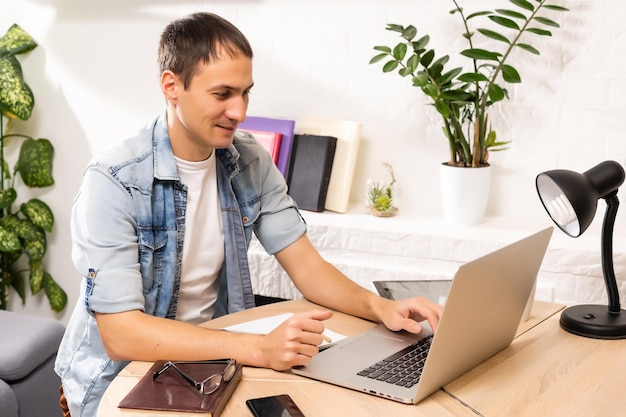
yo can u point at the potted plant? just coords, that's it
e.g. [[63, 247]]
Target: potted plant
[[379, 192], [462, 96], [23, 228]]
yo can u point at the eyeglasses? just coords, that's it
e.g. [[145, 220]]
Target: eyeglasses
[[209, 385]]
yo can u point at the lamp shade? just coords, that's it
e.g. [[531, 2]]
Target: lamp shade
[[571, 198]]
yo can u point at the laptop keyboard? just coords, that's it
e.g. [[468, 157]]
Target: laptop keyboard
[[403, 368]]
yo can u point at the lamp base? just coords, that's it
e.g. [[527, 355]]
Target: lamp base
[[594, 321]]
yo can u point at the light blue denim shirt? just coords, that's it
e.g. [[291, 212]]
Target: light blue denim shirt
[[128, 229]]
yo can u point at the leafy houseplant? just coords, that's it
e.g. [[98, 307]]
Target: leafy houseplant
[[23, 230], [462, 96]]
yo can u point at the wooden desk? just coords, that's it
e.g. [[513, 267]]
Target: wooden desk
[[548, 372], [313, 397]]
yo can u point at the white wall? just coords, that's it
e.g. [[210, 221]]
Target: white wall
[[94, 78]]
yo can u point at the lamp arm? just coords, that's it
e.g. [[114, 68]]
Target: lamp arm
[[607, 252]]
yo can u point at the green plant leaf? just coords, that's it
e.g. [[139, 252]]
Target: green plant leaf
[[547, 22], [17, 282], [472, 77], [523, 4], [9, 241], [435, 72], [442, 108], [503, 21], [36, 276], [494, 35], [378, 58], [16, 97], [383, 49], [390, 66], [511, 13], [27, 230], [510, 74], [421, 43], [55, 294], [399, 52], [430, 90], [409, 33], [5, 166], [555, 7], [35, 163], [538, 31], [420, 80], [449, 76], [496, 93], [477, 53], [427, 58], [442, 61], [457, 96], [412, 63], [16, 41], [528, 48], [476, 14], [36, 248], [7, 197], [395, 28], [39, 213]]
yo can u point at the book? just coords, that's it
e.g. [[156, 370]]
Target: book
[[283, 126], [269, 140], [310, 170], [170, 392], [348, 134]]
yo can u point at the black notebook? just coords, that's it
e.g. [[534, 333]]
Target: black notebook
[[309, 171]]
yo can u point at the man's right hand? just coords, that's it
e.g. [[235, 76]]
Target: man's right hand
[[295, 341]]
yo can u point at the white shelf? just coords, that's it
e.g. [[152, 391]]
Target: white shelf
[[418, 247]]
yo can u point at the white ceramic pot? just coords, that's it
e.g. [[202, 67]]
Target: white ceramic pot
[[464, 194]]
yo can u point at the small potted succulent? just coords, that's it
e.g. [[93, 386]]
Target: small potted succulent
[[379, 192]]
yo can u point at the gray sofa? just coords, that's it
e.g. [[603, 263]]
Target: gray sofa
[[28, 346]]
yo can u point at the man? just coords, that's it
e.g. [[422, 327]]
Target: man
[[161, 226]]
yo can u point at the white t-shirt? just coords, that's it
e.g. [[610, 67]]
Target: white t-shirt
[[203, 247]]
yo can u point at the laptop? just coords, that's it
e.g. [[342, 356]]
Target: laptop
[[480, 318]]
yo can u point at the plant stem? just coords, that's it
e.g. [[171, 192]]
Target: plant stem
[[508, 51]]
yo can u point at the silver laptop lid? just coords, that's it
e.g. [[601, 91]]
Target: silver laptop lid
[[483, 310]]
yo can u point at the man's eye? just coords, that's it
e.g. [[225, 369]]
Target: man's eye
[[223, 95]]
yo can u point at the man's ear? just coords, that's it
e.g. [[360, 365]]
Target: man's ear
[[169, 85]]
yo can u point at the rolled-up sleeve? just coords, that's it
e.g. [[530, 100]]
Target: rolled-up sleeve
[[105, 244], [280, 223]]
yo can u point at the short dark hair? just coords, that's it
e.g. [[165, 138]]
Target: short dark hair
[[198, 37]]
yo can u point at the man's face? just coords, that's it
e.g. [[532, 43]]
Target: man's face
[[205, 116]]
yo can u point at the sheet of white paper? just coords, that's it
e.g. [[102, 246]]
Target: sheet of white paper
[[267, 324]]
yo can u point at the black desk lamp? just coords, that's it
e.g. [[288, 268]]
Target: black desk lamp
[[571, 200]]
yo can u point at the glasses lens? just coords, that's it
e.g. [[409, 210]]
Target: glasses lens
[[212, 384], [229, 372]]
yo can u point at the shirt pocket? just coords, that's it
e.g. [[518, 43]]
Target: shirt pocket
[[152, 252]]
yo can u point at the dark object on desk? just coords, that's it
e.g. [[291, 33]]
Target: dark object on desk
[[310, 168], [172, 393], [274, 406], [571, 199], [261, 300]]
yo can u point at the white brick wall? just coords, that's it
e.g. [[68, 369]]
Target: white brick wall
[[94, 78], [368, 248]]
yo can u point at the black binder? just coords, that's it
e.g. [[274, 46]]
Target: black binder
[[309, 171]]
